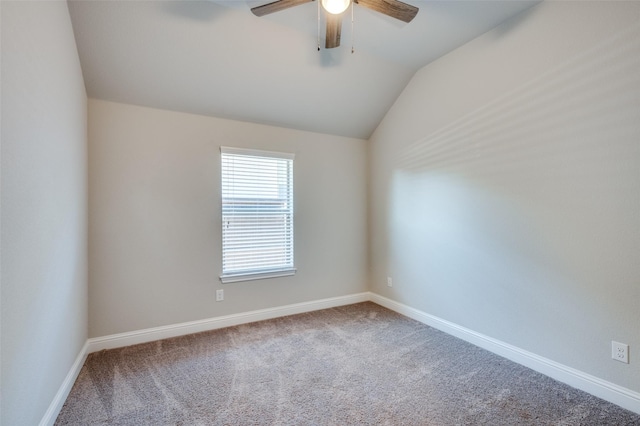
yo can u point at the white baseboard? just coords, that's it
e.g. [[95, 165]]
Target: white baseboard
[[51, 415], [608, 391], [148, 335], [174, 330]]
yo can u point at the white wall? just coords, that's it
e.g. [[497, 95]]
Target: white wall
[[154, 217], [44, 207], [505, 187]]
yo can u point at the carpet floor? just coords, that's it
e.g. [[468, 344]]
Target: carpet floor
[[353, 365]]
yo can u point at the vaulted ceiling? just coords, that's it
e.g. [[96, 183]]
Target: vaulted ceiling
[[216, 58]]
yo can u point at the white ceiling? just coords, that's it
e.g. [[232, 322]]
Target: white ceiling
[[217, 58]]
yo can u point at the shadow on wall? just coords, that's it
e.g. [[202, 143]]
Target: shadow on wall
[[205, 11], [534, 194]]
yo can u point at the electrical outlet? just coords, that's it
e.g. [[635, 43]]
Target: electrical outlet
[[219, 295], [389, 282], [620, 352]]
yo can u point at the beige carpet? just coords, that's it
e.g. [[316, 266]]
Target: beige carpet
[[355, 365]]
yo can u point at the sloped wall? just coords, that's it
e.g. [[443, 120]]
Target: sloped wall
[[505, 187]]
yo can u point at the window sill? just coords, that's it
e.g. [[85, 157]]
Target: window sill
[[232, 278]]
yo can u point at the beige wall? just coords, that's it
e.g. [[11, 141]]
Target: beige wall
[[505, 187], [504, 197], [44, 207], [154, 215]]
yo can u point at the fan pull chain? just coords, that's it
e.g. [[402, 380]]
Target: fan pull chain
[[352, 33], [318, 25]]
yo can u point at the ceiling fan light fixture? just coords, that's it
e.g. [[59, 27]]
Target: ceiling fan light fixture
[[335, 7]]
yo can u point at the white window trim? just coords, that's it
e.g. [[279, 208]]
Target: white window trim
[[259, 275], [257, 152], [234, 278]]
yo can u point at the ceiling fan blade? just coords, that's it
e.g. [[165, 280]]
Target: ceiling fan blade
[[334, 28], [394, 8], [277, 6]]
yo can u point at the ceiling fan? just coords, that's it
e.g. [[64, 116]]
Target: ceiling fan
[[335, 8]]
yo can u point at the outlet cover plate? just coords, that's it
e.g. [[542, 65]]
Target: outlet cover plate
[[620, 352]]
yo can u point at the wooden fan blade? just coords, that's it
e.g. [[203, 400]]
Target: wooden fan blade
[[394, 8], [277, 6], [334, 28]]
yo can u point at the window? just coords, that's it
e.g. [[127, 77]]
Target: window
[[257, 214]]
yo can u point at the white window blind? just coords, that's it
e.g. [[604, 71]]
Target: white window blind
[[257, 214]]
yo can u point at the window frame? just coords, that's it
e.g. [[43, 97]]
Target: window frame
[[247, 275]]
